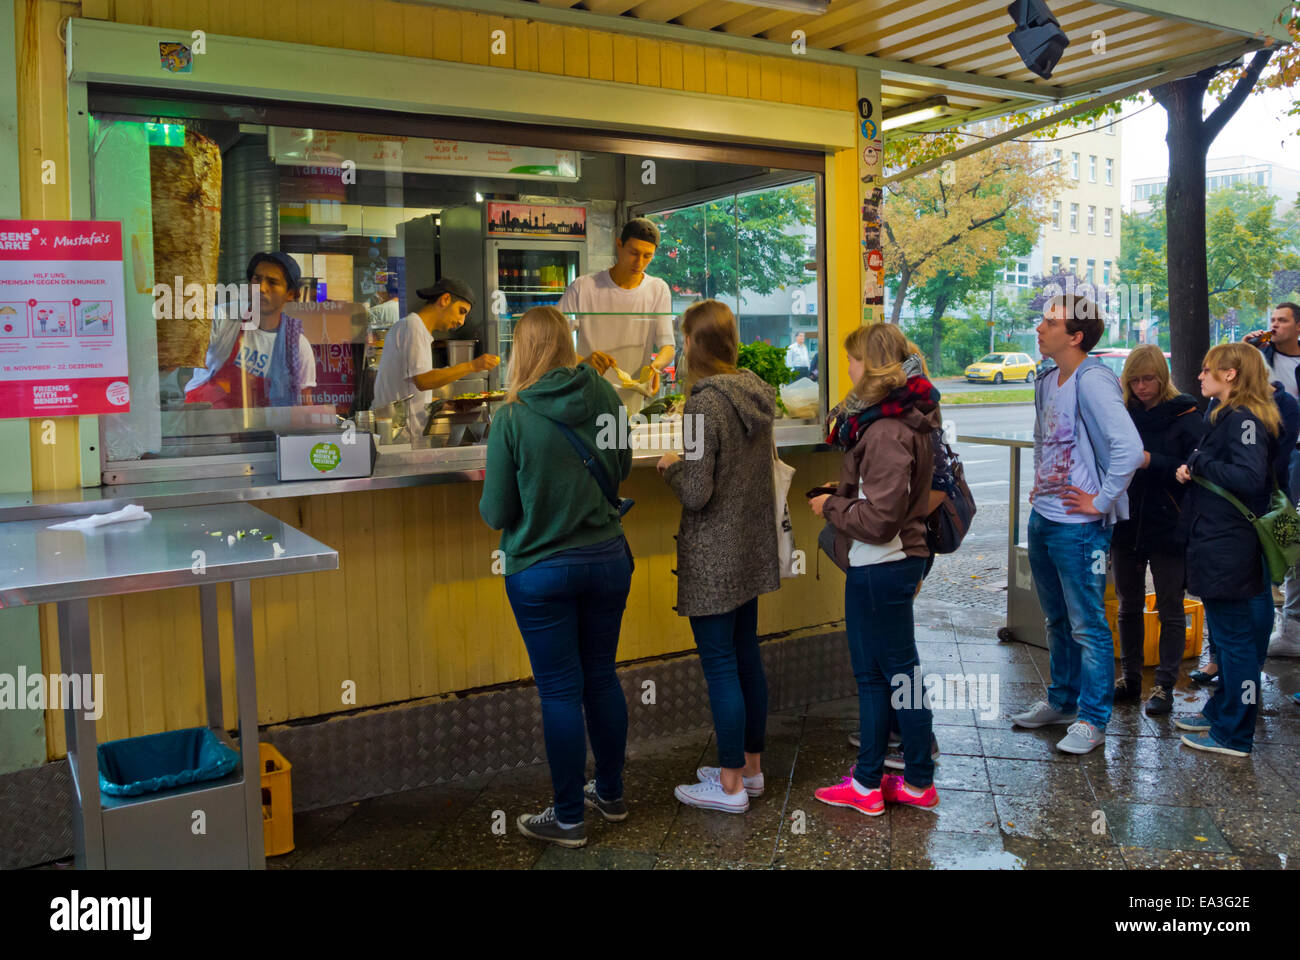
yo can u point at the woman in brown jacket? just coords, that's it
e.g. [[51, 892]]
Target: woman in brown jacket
[[878, 514]]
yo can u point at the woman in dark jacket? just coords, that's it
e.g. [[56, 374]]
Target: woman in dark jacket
[[1225, 564], [1155, 533], [726, 548]]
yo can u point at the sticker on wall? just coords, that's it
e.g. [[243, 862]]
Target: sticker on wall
[[870, 156], [175, 57], [1024, 575], [875, 260]]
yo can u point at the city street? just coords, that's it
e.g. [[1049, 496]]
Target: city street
[[962, 385]]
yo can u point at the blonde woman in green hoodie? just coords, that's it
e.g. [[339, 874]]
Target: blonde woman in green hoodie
[[568, 567]]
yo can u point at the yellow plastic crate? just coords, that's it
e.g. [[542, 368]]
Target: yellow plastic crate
[[277, 801], [1195, 611]]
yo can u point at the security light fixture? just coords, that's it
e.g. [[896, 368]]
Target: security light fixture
[[910, 113], [1038, 37], [798, 6]]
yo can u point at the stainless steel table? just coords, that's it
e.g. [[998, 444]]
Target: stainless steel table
[[172, 549]]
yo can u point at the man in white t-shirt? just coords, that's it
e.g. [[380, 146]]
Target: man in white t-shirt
[[796, 355], [271, 365], [406, 369], [624, 315], [1282, 354]]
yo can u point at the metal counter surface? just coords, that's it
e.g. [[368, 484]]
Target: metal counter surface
[[396, 468], [40, 565]]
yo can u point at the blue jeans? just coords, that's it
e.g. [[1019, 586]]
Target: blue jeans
[[1241, 629], [728, 645], [1068, 561], [882, 647], [1291, 586], [569, 608]]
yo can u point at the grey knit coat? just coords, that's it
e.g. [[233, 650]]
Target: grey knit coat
[[726, 544]]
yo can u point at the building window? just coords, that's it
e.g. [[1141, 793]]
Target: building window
[[1056, 265], [1074, 166], [1056, 158], [1261, 178], [1092, 269], [1017, 273], [1106, 220], [1092, 168], [1074, 266], [1111, 128], [1110, 171], [1074, 218], [1092, 219], [1056, 214], [1105, 272]]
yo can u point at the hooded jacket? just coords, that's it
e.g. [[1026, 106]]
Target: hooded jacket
[[536, 490], [892, 466], [726, 544], [1170, 431]]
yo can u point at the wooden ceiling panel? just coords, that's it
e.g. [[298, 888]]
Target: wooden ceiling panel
[[706, 16]]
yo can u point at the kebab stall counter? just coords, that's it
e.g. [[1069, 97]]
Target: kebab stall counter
[[417, 607]]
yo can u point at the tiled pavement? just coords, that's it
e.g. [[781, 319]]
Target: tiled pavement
[[1009, 799]]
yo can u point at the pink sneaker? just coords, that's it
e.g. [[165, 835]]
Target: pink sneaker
[[845, 794], [892, 788]]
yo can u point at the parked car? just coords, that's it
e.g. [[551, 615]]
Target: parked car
[[1045, 364], [999, 367], [1115, 357]]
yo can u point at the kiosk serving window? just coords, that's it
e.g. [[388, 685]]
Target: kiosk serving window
[[267, 262]]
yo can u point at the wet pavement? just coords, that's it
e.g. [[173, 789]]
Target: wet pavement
[[1009, 799]]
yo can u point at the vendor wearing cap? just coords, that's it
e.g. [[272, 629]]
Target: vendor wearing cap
[[406, 366], [271, 365], [623, 315]]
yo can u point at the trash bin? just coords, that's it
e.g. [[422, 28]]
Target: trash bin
[[162, 761]]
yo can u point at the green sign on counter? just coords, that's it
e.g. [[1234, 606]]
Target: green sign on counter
[[325, 457]]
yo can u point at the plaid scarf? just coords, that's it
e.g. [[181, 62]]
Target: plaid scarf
[[850, 419]]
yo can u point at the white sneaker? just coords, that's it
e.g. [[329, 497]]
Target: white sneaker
[[1285, 640], [753, 785], [709, 795]]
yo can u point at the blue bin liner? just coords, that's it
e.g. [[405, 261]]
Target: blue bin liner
[[161, 761]]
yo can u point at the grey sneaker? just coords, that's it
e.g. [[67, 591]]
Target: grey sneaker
[[894, 755], [1041, 714], [612, 810], [895, 740], [543, 826], [1082, 737], [1285, 641]]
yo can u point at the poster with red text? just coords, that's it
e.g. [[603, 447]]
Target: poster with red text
[[62, 319]]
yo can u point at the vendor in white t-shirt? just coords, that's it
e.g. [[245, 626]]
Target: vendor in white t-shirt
[[271, 365], [623, 315], [406, 366]]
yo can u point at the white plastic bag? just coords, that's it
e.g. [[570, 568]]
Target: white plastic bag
[[782, 477], [801, 398]]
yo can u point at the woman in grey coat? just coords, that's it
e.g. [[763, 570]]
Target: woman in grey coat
[[726, 549]]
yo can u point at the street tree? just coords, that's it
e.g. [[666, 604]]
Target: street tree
[[754, 243], [948, 231]]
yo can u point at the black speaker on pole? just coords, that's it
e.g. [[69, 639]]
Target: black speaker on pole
[[1038, 37]]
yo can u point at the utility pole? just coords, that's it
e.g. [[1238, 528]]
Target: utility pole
[[992, 287]]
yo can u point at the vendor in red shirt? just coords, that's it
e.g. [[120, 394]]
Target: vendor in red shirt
[[271, 365]]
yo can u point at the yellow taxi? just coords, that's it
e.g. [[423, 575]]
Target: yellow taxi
[[999, 367]]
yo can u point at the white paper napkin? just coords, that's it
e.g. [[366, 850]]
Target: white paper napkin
[[130, 512]]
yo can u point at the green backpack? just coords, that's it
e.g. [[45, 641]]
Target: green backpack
[[1278, 530]]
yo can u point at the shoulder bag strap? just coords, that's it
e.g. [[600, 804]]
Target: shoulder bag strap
[[1215, 488], [594, 466]]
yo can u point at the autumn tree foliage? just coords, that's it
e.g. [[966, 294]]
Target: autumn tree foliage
[[946, 231]]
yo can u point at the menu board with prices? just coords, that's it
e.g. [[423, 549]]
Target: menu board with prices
[[62, 319]]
